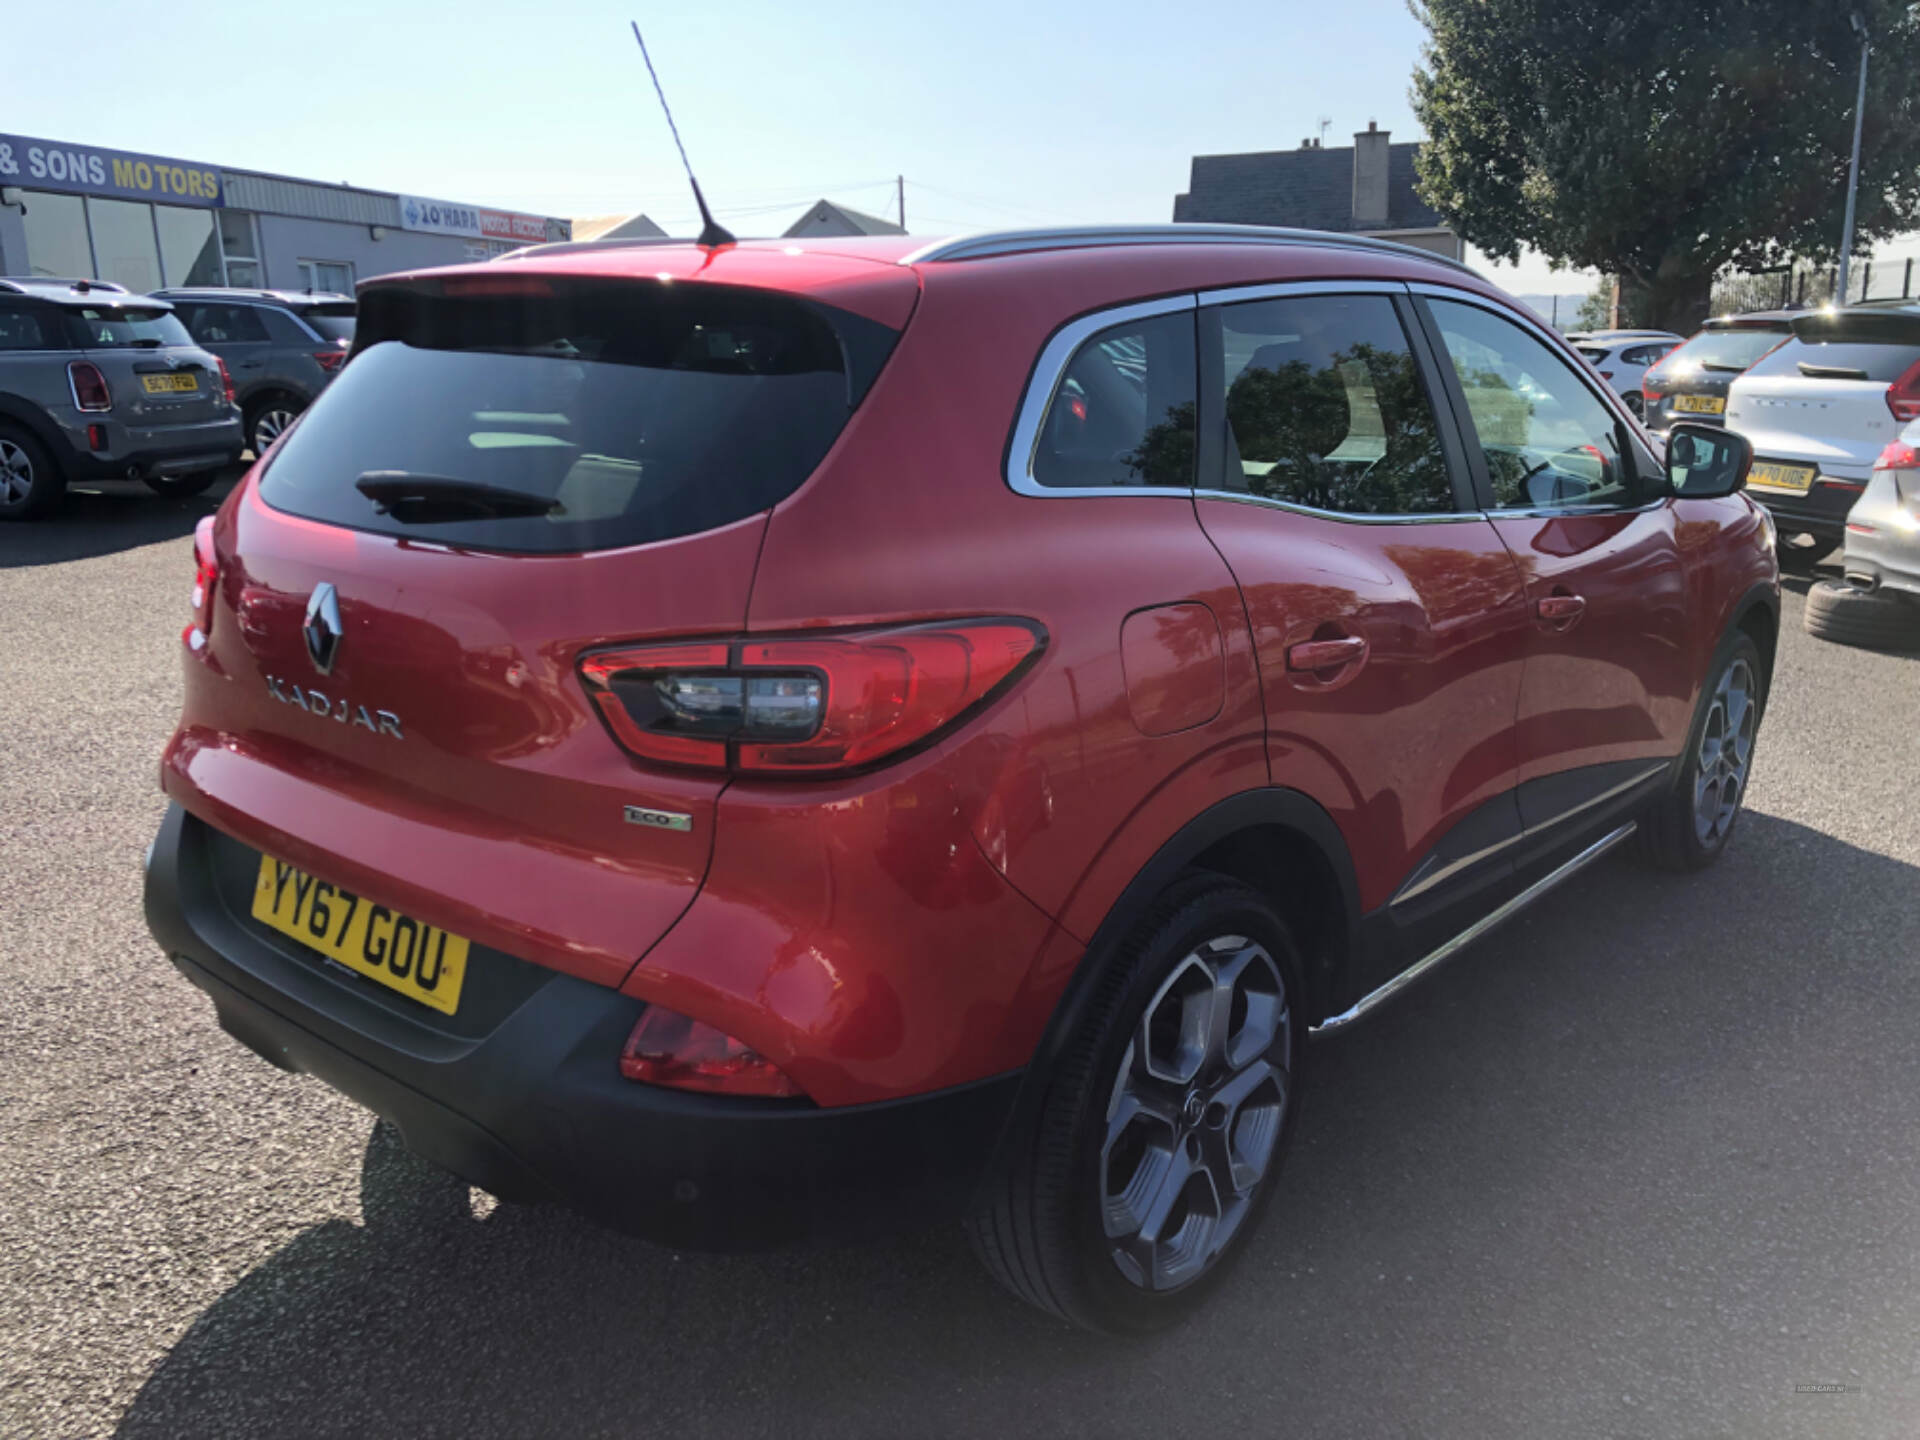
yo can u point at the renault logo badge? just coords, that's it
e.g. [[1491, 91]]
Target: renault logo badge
[[323, 628]]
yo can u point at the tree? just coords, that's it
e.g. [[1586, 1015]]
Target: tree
[[1661, 143], [1596, 310]]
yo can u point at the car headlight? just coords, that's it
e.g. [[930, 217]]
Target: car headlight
[[1769, 532]]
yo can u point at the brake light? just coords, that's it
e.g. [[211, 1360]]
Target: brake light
[[226, 379], [206, 574], [89, 386], [330, 360], [806, 705], [1897, 456], [667, 1048], [478, 285], [1903, 396]]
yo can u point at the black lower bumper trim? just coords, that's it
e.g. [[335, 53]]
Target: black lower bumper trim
[[536, 1110]]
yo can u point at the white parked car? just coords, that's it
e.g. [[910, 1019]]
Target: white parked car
[[1623, 356], [1819, 410]]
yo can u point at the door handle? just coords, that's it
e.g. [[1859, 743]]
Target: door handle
[[1561, 609], [1319, 655]]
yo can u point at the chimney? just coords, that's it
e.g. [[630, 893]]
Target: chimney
[[1370, 178]]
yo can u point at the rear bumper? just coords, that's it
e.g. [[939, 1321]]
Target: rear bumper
[[535, 1109], [1883, 540], [1821, 512], [156, 450]]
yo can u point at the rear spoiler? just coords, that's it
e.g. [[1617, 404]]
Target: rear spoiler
[[1863, 325]]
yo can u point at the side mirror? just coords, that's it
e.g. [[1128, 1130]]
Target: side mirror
[[1706, 463]]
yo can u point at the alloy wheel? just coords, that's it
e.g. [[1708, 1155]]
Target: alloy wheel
[[1726, 754], [267, 427], [16, 474], [1195, 1112]]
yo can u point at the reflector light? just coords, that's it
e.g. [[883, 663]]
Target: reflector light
[[668, 1048], [807, 705], [206, 574]]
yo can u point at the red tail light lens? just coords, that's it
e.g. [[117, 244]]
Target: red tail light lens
[[89, 386], [226, 379], [667, 1048], [1903, 396], [1897, 456], [206, 574], [330, 360], [804, 706]]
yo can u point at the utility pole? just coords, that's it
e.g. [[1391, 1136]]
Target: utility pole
[[1853, 169], [900, 189]]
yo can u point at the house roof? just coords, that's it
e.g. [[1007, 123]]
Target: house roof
[[1311, 189], [616, 227], [827, 218]]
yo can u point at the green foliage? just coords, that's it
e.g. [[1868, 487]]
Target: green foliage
[[1662, 142], [1596, 311]]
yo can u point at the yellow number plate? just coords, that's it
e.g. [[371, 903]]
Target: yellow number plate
[[175, 384], [422, 962], [1782, 477], [1700, 404]]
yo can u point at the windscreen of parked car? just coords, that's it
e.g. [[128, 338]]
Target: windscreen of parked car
[[123, 327], [1724, 351], [330, 322], [583, 414]]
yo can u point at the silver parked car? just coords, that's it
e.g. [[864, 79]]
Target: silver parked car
[[1878, 601], [99, 384]]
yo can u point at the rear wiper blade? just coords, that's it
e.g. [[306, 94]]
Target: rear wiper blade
[[1723, 369], [432, 499]]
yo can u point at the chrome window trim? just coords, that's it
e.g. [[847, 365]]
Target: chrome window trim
[[1609, 398], [1048, 371], [986, 244], [1291, 289]]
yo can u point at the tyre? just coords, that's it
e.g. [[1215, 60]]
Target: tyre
[[1845, 613], [266, 417], [1134, 1181], [1687, 828], [175, 487], [30, 483], [1798, 554]]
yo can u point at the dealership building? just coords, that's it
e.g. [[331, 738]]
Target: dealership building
[[147, 221]]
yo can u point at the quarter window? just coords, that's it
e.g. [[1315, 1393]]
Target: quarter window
[[1123, 413], [1547, 438], [1325, 408], [24, 328]]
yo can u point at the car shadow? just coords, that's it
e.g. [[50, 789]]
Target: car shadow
[[1619, 1145], [97, 519]]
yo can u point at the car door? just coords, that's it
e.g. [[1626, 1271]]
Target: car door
[[235, 334], [1388, 617], [1607, 694]]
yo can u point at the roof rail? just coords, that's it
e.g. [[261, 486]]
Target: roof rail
[[19, 284], [987, 244]]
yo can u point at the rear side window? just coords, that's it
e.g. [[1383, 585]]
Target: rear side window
[[619, 412], [1326, 409], [224, 324], [1840, 360], [1122, 415], [1645, 354], [282, 328], [124, 328], [25, 328]]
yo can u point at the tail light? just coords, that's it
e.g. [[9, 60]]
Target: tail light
[[1903, 396], [808, 705], [1904, 461], [226, 379], [670, 1049], [330, 360], [89, 386], [206, 574]]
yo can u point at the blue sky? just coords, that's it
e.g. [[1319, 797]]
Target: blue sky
[[997, 113]]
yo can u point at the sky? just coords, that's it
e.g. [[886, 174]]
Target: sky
[[998, 114]]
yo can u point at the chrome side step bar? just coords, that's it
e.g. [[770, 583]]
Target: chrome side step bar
[[1375, 998]]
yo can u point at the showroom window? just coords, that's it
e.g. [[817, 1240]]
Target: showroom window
[[129, 242], [56, 227], [125, 249], [240, 240], [327, 275], [189, 254]]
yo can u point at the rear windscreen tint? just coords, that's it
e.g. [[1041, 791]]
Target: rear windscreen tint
[[1733, 349], [102, 327], [646, 410], [1882, 363]]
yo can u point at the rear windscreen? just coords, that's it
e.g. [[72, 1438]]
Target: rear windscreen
[[121, 327], [1883, 363], [330, 322], [1723, 350], [641, 410]]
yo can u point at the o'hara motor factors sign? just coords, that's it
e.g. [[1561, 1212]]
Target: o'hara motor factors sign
[[89, 170], [440, 217]]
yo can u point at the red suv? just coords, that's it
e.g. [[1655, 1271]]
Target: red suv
[[781, 738]]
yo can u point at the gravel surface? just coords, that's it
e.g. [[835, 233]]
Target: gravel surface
[[1642, 1163]]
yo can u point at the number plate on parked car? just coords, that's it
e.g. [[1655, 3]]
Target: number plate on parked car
[[177, 383], [1700, 404], [421, 961], [1782, 477]]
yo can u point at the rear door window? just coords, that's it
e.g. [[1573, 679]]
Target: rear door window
[[1122, 414], [617, 412]]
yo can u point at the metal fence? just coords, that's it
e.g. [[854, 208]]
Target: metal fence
[[1807, 286]]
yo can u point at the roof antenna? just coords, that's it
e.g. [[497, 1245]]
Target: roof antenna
[[712, 232]]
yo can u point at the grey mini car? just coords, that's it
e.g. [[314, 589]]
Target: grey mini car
[[98, 384], [282, 347]]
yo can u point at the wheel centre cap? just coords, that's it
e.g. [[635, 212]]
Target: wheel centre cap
[[1193, 1107]]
